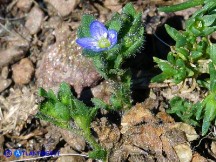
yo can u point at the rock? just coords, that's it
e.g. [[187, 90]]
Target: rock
[[113, 5], [198, 158], [138, 114], [118, 156], [77, 142], [63, 7], [168, 149], [24, 5], [147, 137], [34, 20], [184, 152], [20, 41], [189, 131], [23, 71], [52, 137], [10, 56], [63, 61], [4, 83], [53, 22], [107, 133], [133, 150], [213, 148], [175, 136], [139, 158], [5, 72], [165, 117], [103, 91]]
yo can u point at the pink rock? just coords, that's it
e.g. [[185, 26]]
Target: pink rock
[[63, 61]]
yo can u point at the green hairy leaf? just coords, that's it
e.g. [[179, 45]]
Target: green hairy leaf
[[62, 108], [83, 30], [129, 10]]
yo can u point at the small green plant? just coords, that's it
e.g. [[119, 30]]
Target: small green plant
[[188, 112], [64, 108], [108, 45], [192, 56]]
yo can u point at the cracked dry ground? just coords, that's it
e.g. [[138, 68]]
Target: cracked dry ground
[[38, 49]]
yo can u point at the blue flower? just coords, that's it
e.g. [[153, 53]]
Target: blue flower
[[101, 39]]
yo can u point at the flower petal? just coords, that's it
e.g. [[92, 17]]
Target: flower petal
[[88, 43], [112, 36], [99, 49], [98, 30]]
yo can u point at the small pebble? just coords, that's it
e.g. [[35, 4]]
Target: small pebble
[[34, 20], [24, 5], [5, 72], [23, 71], [63, 8], [10, 56], [4, 83]]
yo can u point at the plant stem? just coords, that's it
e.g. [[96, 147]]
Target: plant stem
[[91, 140]]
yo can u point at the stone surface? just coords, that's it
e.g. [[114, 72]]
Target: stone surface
[[20, 40], [52, 137], [163, 116], [34, 20], [63, 7], [63, 61], [24, 5], [5, 72], [23, 71], [213, 147], [108, 133], [103, 91], [175, 135], [149, 137], [113, 5], [77, 142], [10, 56], [4, 83], [198, 158], [184, 152], [168, 149], [138, 114], [189, 131]]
